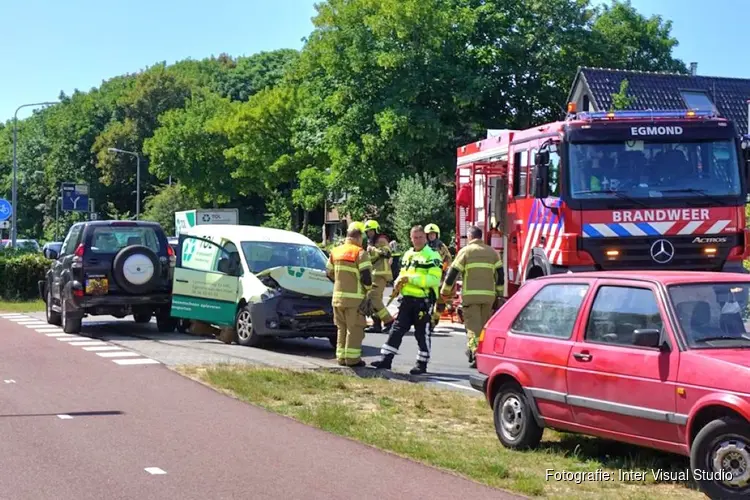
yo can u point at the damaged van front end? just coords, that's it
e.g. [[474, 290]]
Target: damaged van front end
[[296, 302]]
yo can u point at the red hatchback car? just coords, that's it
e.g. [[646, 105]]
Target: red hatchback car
[[657, 359]]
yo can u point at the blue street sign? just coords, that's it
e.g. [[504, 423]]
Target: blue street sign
[[75, 197], [6, 210]]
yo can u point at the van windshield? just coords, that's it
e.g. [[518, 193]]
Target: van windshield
[[262, 255]]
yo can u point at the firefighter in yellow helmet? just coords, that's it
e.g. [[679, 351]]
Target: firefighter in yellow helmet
[[433, 239], [350, 269], [481, 270], [380, 255]]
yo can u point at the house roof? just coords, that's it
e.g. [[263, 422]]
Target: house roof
[[651, 90]]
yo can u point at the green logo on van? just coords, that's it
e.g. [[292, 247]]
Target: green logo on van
[[296, 274], [189, 250]]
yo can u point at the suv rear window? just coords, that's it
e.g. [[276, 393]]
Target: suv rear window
[[111, 239]]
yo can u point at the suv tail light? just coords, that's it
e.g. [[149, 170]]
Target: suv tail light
[[172, 256], [77, 260]]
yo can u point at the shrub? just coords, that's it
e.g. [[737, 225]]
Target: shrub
[[420, 201], [20, 273]]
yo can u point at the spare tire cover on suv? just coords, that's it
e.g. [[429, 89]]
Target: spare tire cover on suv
[[136, 269]]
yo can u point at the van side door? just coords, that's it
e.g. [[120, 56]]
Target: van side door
[[206, 283]]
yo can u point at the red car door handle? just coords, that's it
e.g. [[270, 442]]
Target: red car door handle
[[582, 356]]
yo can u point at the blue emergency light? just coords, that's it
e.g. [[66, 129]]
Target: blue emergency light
[[653, 114]]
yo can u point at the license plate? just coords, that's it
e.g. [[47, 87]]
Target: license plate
[[97, 286]]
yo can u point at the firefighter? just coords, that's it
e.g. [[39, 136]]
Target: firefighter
[[433, 237], [380, 255], [417, 283], [481, 288], [350, 269]]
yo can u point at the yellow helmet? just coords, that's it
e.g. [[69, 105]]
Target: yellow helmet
[[372, 224], [432, 228], [357, 225]]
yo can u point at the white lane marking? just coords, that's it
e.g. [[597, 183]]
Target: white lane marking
[[457, 386], [142, 361], [48, 329], [12, 315], [9, 381], [68, 339], [103, 348], [154, 470], [120, 354], [78, 343], [38, 324], [59, 334], [64, 417]]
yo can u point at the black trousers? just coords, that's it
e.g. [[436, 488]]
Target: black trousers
[[412, 312]]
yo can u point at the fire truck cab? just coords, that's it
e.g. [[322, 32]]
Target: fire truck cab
[[608, 190]]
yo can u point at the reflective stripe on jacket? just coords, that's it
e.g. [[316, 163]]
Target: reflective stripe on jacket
[[482, 273], [350, 269], [423, 268]]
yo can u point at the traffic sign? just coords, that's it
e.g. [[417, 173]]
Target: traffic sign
[[5, 224], [75, 197], [6, 210]]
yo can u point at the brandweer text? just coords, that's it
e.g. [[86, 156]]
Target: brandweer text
[[660, 215]]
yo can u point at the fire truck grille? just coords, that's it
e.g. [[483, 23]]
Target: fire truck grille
[[678, 252]]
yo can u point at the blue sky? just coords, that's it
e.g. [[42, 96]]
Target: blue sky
[[50, 45]]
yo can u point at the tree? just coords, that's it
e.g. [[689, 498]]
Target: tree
[[310, 193], [189, 145], [170, 199], [420, 201], [621, 99], [626, 39]]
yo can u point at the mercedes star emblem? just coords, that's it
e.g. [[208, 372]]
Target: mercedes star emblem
[[662, 251]]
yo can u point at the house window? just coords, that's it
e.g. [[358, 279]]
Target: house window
[[697, 100]]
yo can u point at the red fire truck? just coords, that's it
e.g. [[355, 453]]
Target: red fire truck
[[608, 190]]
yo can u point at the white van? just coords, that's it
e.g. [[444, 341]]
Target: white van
[[254, 282]]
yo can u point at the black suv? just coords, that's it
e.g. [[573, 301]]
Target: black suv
[[112, 268]]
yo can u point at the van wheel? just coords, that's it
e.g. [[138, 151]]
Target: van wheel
[[721, 451], [243, 325], [69, 325], [166, 324], [514, 423]]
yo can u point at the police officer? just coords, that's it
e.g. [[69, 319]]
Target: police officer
[[482, 273], [380, 255], [433, 237], [417, 283], [350, 269]]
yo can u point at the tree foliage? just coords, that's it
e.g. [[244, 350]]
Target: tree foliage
[[382, 90], [420, 200]]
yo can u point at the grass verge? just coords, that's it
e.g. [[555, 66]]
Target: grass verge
[[24, 306], [446, 429]]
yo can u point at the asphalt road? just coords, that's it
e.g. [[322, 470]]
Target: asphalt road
[[78, 425], [448, 368]]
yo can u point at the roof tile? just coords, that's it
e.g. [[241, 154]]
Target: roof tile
[[653, 90]]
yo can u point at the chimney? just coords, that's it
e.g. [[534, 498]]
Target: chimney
[[693, 68]]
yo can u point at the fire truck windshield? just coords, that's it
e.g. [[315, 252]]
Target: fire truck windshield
[[647, 169]]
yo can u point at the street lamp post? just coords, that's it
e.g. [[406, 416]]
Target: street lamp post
[[137, 176], [14, 195]]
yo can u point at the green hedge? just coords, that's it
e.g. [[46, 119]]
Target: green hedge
[[20, 273]]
